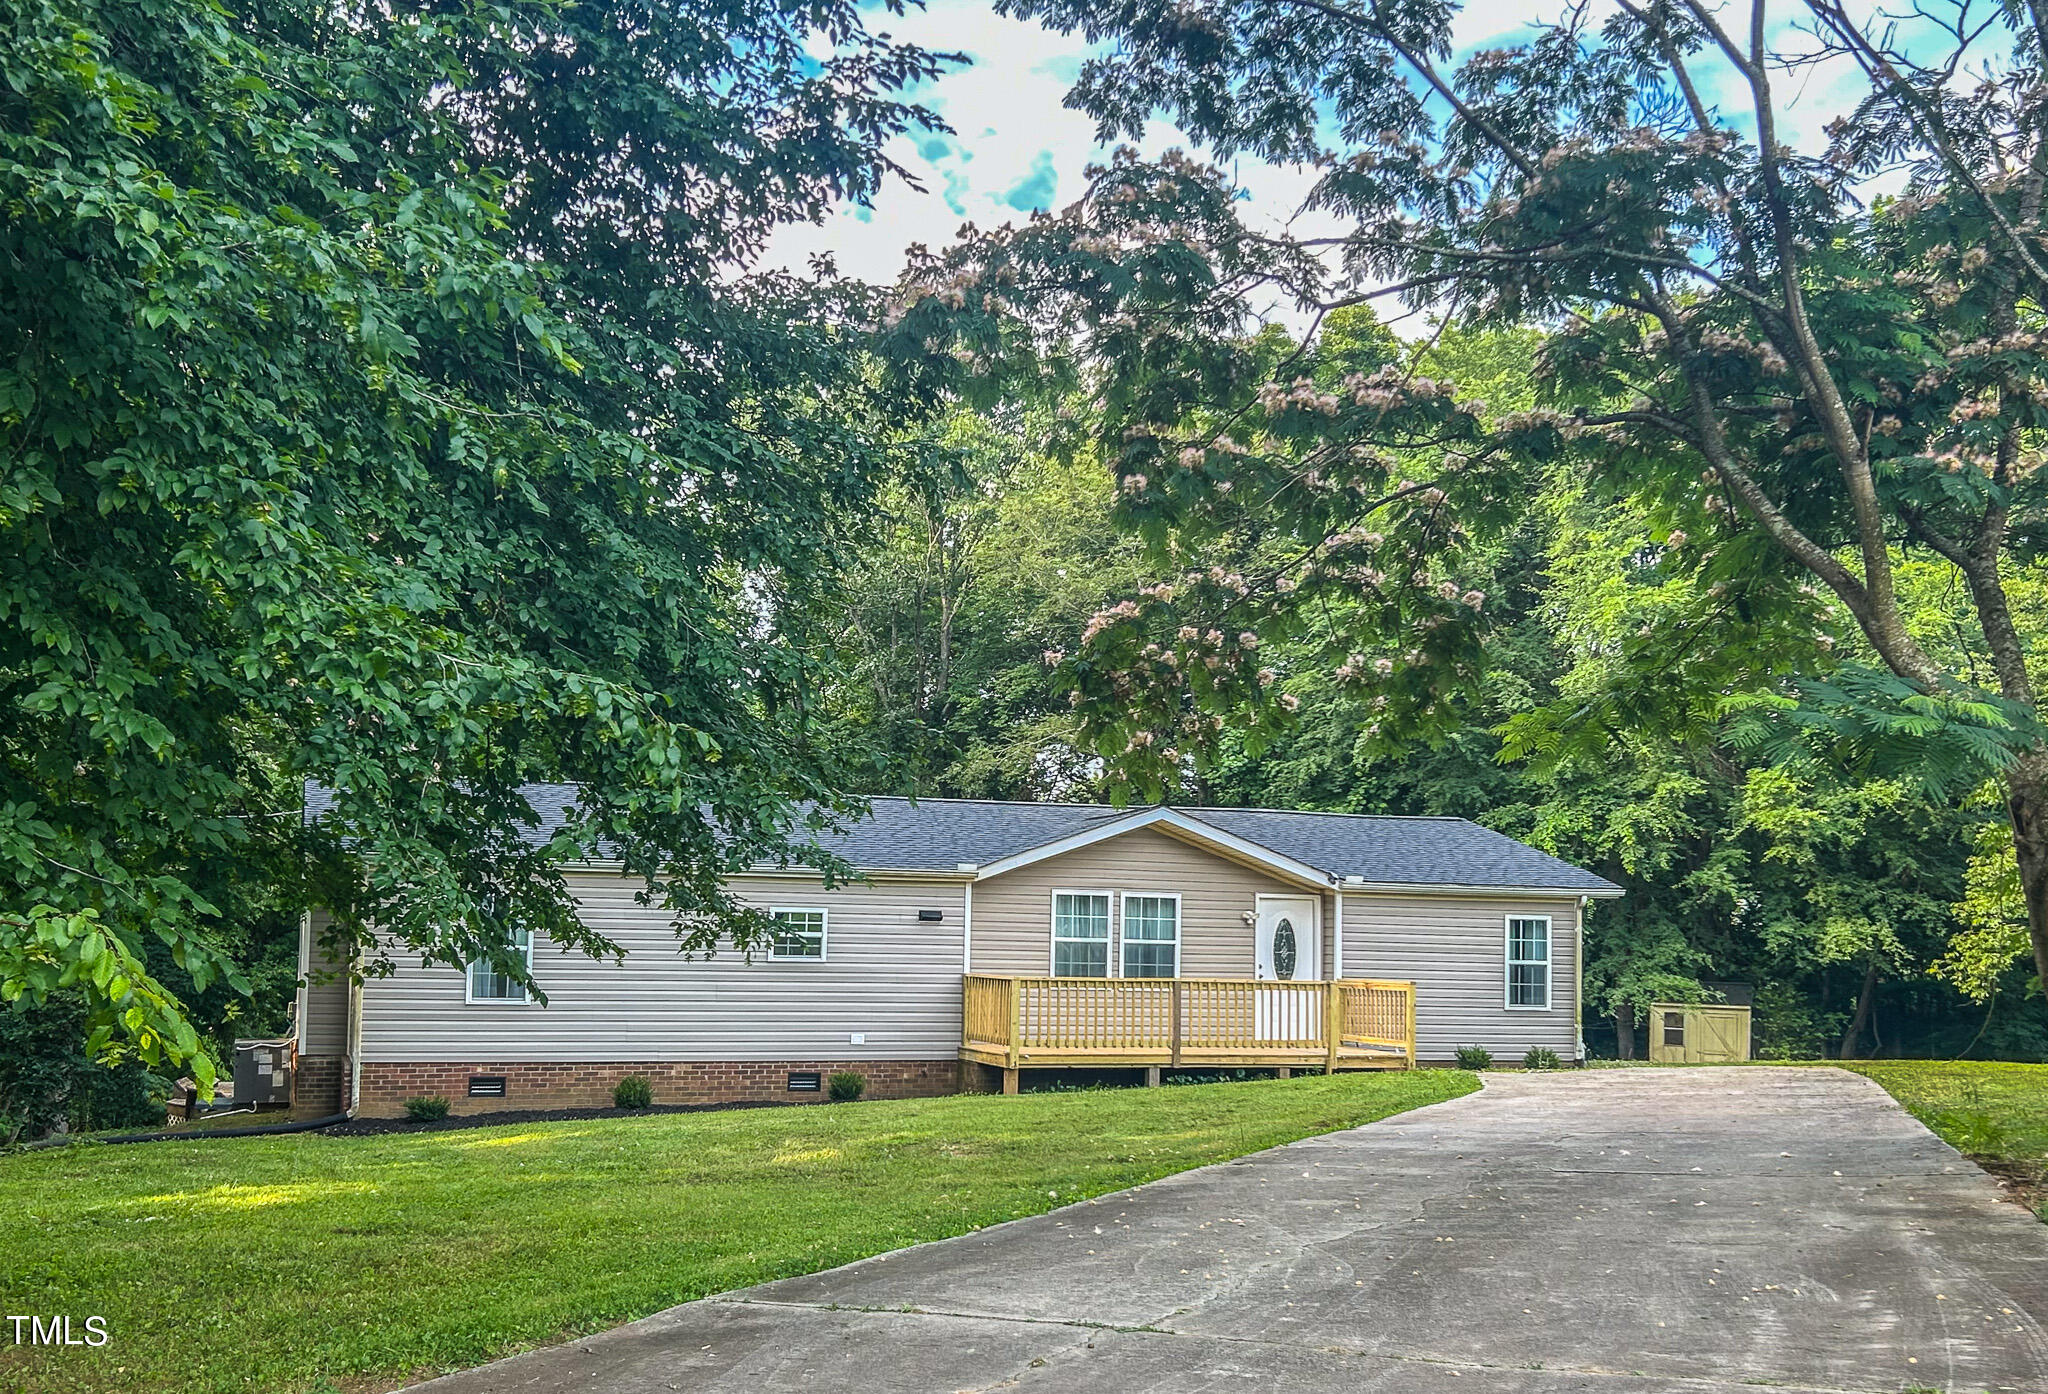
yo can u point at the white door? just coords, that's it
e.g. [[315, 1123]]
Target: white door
[[1289, 939]]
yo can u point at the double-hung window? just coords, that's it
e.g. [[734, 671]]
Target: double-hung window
[[799, 934], [1151, 936], [1080, 934], [1529, 962], [487, 984]]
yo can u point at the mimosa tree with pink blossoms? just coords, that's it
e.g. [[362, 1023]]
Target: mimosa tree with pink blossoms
[[1815, 356]]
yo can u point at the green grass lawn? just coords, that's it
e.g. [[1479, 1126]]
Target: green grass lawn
[[1991, 1110], [307, 1262]]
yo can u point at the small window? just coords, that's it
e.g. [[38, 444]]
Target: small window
[[1674, 1028], [487, 984], [1529, 962], [1151, 936], [1080, 935], [799, 934]]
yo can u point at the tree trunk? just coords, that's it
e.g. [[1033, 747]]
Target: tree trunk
[[2027, 802], [1863, 1000], [1625, 1031]]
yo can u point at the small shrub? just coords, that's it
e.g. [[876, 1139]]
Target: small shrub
[[426, 1108], [632, 1092], [1474, 1058], [1541, 1058], [845, 1088]]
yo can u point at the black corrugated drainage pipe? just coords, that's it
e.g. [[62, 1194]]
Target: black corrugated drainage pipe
[[194, 1134]]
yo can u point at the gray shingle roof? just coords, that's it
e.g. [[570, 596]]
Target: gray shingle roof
[[1402, 851], [941, 834]]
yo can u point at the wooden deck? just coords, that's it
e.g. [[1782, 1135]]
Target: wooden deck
[[1024, 1023]]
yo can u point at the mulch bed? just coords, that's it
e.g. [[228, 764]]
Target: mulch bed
[[373, 1127]]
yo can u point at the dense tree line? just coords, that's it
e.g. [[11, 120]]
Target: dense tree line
[[1870, 915], [389, 404]]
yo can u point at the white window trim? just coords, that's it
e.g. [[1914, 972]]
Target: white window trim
[[1052, 928], [1507, 974], [469, 997], [824, 914], [1122, 900]]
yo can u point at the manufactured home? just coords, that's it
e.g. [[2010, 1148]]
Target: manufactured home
[[984, 940]]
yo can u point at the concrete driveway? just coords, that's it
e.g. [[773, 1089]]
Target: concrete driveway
[[1626, 1231]]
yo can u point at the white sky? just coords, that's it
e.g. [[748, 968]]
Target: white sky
[[1015, 146]]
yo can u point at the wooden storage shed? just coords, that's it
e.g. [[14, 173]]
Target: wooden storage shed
[[1698, 1033]]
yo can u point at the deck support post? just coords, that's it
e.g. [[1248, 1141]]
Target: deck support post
[[1333, 1025], [1173, 1021], [1410, 994], [1016, 1029], [1285, 1072], [1009, 1081], [1151, 1076]]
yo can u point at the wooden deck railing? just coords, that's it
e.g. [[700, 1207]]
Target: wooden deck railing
[[1355, 1023]]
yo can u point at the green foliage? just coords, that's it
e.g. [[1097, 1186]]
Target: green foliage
[[46, 952], [633, 1091], [39, 1066], [1541, 1058], [1787, 1026], [1993, 914], [1792, 388], [1874, 725], [846, 1086], [1737, 866], [1472, 1057], [46, 1079], [944, 624], [441, 1249], [427, 1108], [386, 407]]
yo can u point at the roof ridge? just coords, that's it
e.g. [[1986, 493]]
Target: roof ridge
[[1011, 803], [1189, 808], [1332, 813]]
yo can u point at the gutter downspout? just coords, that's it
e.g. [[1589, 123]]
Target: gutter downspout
[[967, 927], [1337, 945], [1579, 974]]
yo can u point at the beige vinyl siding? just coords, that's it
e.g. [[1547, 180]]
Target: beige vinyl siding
[[1455, 951], [1013, 912], [323, 1006], [885, 975]]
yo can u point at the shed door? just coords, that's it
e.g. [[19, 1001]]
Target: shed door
[[1718, 1035]]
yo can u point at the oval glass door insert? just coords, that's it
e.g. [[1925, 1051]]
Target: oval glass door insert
[[1283, 950]]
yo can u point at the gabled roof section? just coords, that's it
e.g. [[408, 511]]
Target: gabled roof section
[[1174, 823], [986, 838], [947, 834], [1392, 852]]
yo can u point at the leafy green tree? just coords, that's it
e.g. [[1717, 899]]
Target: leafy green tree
[[1793, 381], [384, 406], [944, 625]]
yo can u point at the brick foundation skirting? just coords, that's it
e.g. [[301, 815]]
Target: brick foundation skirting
[[316, 1086], [386, 1085]]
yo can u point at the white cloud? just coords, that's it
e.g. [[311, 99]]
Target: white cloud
[[1014, 142]]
